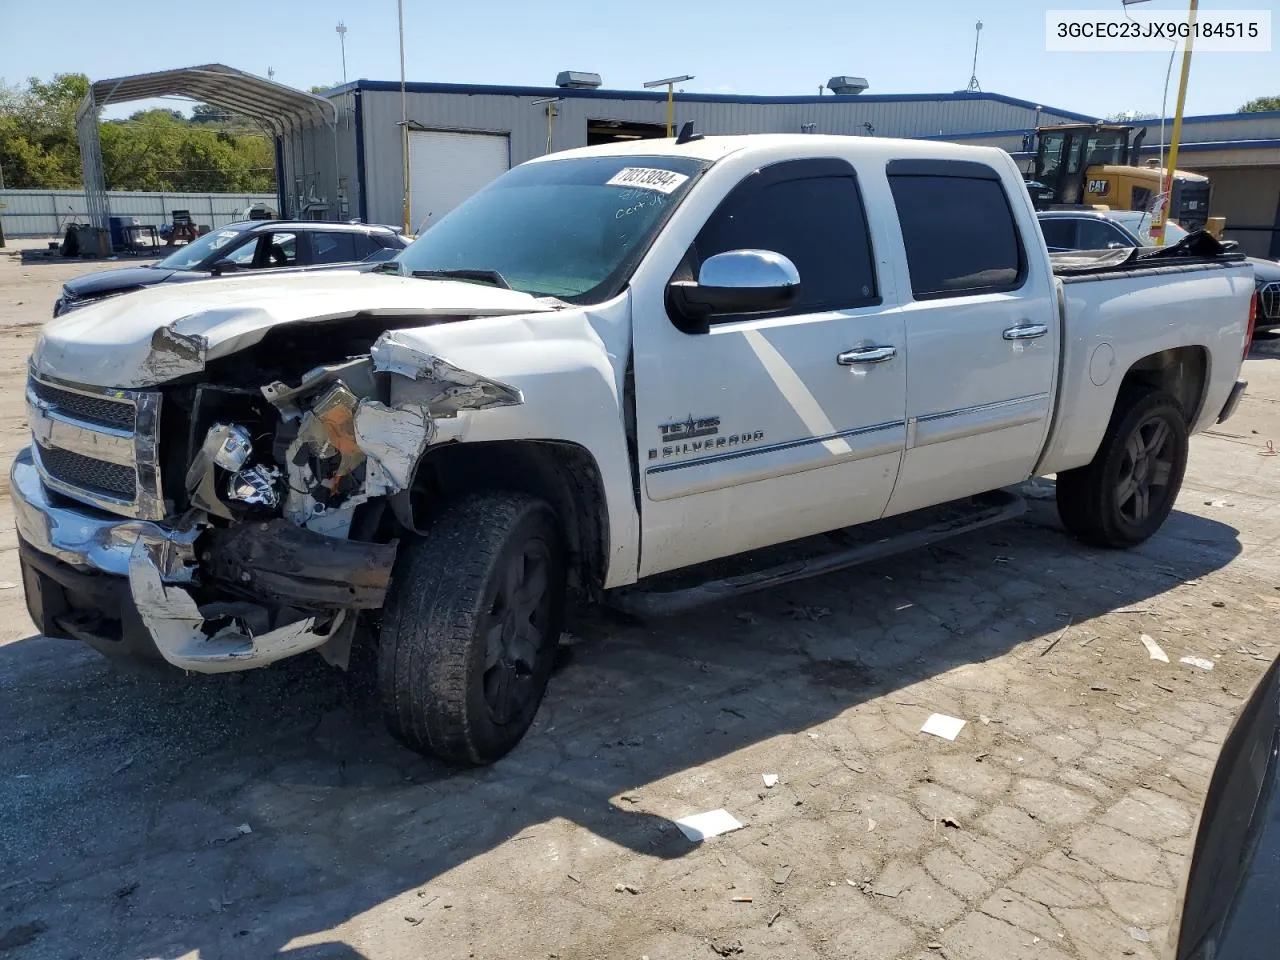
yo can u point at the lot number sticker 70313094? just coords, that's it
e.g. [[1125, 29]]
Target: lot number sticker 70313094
[[648, 178]]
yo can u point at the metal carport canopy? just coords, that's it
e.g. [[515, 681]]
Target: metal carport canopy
[[274, 105]]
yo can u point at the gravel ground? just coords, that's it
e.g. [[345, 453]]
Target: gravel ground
[[267, 814]]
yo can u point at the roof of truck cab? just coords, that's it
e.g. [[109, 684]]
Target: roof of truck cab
[[716, 148]]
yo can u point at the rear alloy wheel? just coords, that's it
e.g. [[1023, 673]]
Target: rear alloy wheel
[[470, 628], [1125, 494]]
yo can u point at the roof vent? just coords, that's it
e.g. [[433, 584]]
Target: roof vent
[[576, 80], [847, 85]]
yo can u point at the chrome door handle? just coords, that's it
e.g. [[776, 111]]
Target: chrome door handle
[[1026, 331], [866, 355]]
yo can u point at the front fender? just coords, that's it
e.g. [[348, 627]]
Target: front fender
[[548, 377]]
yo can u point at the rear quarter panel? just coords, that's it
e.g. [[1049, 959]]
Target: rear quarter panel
[[1112, 322]]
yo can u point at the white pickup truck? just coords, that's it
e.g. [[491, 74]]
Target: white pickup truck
[[610, 364]]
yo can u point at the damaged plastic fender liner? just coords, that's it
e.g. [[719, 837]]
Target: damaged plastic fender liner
[[282, 563], [456, 389]]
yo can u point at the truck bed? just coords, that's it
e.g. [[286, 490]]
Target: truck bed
[[1074, 266]]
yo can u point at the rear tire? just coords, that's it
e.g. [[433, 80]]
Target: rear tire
[[1126, 493], [470, 628]]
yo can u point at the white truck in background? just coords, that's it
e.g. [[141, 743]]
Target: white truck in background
[[610, 364]]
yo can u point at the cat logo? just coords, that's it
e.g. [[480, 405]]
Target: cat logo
[[1100, 187]]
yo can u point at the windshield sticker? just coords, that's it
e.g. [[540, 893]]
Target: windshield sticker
[[224, 237], [647, 178]]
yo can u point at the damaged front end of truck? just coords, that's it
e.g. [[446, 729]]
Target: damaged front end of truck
[[245, 508]]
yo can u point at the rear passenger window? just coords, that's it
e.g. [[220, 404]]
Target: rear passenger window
[[960, 235], [333, 248], [817, 222]]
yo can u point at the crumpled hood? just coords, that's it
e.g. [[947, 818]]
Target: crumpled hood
[[169, 331]]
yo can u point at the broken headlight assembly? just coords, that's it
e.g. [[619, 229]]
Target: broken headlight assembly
[[220, 479]]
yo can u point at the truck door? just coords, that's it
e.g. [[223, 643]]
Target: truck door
[[981, 331], [761, 429]]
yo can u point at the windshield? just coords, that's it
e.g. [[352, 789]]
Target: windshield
[[573, 229], [197, 251], [1139, 224]]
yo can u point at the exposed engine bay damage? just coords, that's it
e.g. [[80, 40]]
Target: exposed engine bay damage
[[286, 564], [219, 637], [287, 481]]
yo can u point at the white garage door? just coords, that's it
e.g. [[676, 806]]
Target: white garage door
[[446, 168]]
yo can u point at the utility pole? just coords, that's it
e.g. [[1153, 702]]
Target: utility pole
[[670, 84], [404, 122], [974, 86], [341, 29], [1177, 126]]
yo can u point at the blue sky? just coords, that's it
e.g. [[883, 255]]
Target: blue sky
[[731, 46]]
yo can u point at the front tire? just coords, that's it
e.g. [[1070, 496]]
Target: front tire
[[1126, 493], [470, 628]]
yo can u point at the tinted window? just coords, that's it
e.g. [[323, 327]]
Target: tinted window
[[329, 247], [243, 255], [365, 244], [960, 235], [1059, 233], [816, 222], [279, 250], [1099, 235]]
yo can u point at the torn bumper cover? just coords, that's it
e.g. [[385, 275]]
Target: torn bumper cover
[[132, 587]]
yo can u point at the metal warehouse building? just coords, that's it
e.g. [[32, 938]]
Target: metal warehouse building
[[462, 136]]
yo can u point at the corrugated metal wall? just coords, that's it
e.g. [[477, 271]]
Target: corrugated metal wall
[[41, 213], [527, 124], [309, 188]]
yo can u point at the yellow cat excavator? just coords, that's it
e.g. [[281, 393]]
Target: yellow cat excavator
[[1096, 164]]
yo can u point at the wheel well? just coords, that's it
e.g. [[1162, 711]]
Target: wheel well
[[1181, 371], [563, 474]]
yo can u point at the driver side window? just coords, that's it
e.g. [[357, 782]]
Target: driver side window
[[244, 255], [817, 222]]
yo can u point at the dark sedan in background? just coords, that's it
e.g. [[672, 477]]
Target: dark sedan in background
[[249, 245], [1116, 229]]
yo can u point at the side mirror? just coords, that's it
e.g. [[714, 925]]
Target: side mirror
[[224, 266], [736, 282]]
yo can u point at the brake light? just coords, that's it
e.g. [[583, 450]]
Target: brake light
[[1253, 319]]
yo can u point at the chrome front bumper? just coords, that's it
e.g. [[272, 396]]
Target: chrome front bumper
[[92, 540], [155, 561]]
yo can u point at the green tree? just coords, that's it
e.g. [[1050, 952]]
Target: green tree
[[158, 149], [1261, 105]]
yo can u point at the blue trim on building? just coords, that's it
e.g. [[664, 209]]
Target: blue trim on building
[[470, 89], [1210, 118], [360, 177]]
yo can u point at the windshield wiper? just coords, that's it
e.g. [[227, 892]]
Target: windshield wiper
[[386, 266], [491, 277]]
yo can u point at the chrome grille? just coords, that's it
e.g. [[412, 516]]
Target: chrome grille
[[1269, 301], [79, 406], [98, 446], [98, 476]]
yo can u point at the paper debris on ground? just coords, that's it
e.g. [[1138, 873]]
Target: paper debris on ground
[[704, 826], [8, 585], [940, 725], [770, 779], [1200, 662], [1153, 649]]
